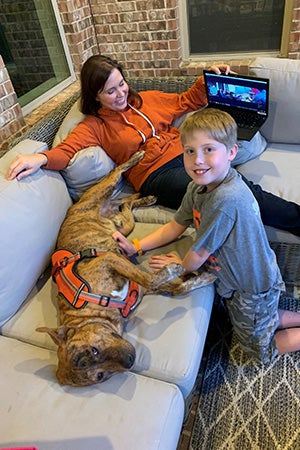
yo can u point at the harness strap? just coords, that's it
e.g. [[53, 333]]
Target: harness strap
[[77, 291], [62, 257]]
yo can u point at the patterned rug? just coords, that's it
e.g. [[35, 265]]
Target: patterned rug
[[243, 405]]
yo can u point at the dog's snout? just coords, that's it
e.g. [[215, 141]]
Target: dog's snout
[[123, 355], [130, 361]]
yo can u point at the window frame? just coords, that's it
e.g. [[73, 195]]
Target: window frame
[[185, 39], [26, 109]]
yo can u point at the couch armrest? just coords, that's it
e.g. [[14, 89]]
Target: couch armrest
[[32, 212]]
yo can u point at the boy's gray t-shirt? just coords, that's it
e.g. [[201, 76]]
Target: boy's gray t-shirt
[[232, 231]]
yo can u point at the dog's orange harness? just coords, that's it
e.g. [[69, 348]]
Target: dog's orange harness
[[77, 291]]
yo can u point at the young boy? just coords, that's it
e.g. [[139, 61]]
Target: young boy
[[230, 238]]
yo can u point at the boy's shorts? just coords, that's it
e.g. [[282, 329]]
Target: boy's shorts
[[255, 319]]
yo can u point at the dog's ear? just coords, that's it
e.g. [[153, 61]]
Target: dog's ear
[[58, 335]]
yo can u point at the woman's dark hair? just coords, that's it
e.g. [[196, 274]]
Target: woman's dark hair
[[94, 74]]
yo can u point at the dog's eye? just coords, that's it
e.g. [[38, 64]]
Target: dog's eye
[[95, 351], [100, 376]]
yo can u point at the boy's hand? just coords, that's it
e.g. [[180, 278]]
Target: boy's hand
[[124, 243], [159, 261]]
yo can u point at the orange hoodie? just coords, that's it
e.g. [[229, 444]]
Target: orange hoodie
[[121, 134]]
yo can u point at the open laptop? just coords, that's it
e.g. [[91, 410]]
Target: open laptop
[[245, 98]]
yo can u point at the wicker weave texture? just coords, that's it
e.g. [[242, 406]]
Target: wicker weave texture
[[46, 129], [288, 258], [166, 84]]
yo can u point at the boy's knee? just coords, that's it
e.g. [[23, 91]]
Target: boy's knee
[[255, 320], [260, 351]]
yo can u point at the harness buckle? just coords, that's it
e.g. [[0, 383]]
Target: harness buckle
[[132, 300], [64, 262], [88, 253], [135, 296], [104, 301]]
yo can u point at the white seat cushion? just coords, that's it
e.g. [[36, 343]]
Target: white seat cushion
[[277, 170], [35, 410]]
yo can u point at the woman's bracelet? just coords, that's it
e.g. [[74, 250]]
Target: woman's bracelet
[[138, 247]]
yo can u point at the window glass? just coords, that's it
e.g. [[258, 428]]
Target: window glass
[[31, 47], [231, 26]]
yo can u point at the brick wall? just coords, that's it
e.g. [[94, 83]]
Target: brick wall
[[78, 23], [144, 35], [294, 41], [11, 118]]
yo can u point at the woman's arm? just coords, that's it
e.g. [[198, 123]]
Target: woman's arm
[[221, 68], [195, 97], [24, 165], [85, 134]]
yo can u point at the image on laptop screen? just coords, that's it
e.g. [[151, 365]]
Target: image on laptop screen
[[238, 92]]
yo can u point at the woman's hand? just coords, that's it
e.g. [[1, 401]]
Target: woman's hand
[[124, 243], [24, 165], [159, 261], [221, 68]]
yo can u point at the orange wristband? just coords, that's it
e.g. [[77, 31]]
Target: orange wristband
[[138, 247]]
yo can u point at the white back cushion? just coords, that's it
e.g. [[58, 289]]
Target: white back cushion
[[282, 125], [85, 169], [89, 165]]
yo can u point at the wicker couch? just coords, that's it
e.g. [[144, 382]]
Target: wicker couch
[[145, 407]]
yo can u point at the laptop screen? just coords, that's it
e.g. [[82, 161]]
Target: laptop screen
[[237, 91]]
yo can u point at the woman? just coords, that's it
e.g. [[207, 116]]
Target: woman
[[123, 121]]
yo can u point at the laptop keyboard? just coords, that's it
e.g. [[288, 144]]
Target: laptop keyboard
[[246, 120]]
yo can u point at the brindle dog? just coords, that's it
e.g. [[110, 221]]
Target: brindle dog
[[90, 343]]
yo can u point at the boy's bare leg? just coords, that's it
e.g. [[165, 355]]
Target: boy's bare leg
[[288, 319], [288, 333]]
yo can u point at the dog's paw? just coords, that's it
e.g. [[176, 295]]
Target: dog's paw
[[207, 278], [195, 280], [175, 269], [169, 272], [140, 154], [136, 157], [132, 161], [118, 221], [150, 200]]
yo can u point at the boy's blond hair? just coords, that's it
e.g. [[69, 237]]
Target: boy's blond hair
[[218, 124]]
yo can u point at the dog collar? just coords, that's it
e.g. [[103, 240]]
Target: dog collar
[[77, 292]]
